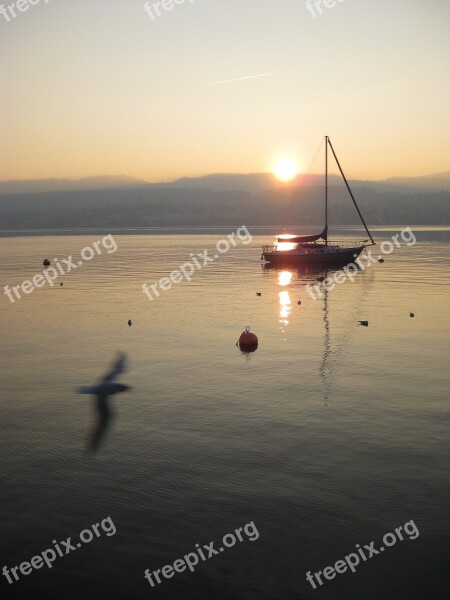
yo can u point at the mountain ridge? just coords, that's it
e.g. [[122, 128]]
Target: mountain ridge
[[235, 182]]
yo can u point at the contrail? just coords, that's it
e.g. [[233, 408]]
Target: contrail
[[239, 79]]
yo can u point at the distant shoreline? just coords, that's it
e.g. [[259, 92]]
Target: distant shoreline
[[256, 230]]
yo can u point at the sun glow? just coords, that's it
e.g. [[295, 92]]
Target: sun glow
[[286, 246], [284, 242], [285, 169]]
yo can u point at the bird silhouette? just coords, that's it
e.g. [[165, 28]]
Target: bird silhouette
[[106, 387]]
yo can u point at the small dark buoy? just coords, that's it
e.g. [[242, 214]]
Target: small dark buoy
[[130, 322], [299, 302], [258, 293], [247, 341], [46, 262], [61, 284], [381, 260], [364, 323], [411, 314]]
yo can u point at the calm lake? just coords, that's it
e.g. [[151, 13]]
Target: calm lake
[[330, 435]]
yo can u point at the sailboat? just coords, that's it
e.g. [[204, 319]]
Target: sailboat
[[317, 249]]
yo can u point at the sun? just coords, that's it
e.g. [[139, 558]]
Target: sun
[[285, 169]]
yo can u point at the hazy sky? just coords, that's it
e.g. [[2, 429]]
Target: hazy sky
[[98, 87]]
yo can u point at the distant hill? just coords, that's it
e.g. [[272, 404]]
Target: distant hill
[[258, 182], [251, 183], [435, 182], [220, 200], [220, 182], [181, 207], [35, 186]]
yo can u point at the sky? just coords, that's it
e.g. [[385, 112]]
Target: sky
[[101, 87]]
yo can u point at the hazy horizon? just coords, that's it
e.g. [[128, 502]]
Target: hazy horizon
[[218, 173]]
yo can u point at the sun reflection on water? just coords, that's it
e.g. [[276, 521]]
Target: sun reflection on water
[[284, 278], [285, 307]]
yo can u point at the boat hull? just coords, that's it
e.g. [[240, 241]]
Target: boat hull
[[293, 257]]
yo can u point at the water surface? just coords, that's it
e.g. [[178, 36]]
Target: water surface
[[329, 435]]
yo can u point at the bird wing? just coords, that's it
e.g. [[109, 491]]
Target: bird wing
[[87, 390], [119, 366]]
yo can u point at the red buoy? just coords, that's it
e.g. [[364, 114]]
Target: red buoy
[[247, 341]]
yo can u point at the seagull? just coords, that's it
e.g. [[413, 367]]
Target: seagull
[[107, 387], [364, 323]]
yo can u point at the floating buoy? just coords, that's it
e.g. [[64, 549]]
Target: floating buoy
[[46, 262], [247, 340], [411, 314], [258, 293], [61, 284], [130, 322], [364, 323], [299, 302], [381, 260]]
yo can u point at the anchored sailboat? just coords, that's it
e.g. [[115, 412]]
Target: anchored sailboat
[[317, 249]]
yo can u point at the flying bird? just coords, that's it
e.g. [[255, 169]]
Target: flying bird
[[106, 387]]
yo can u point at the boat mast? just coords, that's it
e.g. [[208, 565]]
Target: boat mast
[[326, 190], [350, 191]]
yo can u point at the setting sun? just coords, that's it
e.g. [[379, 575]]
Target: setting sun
[[285, 169]]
